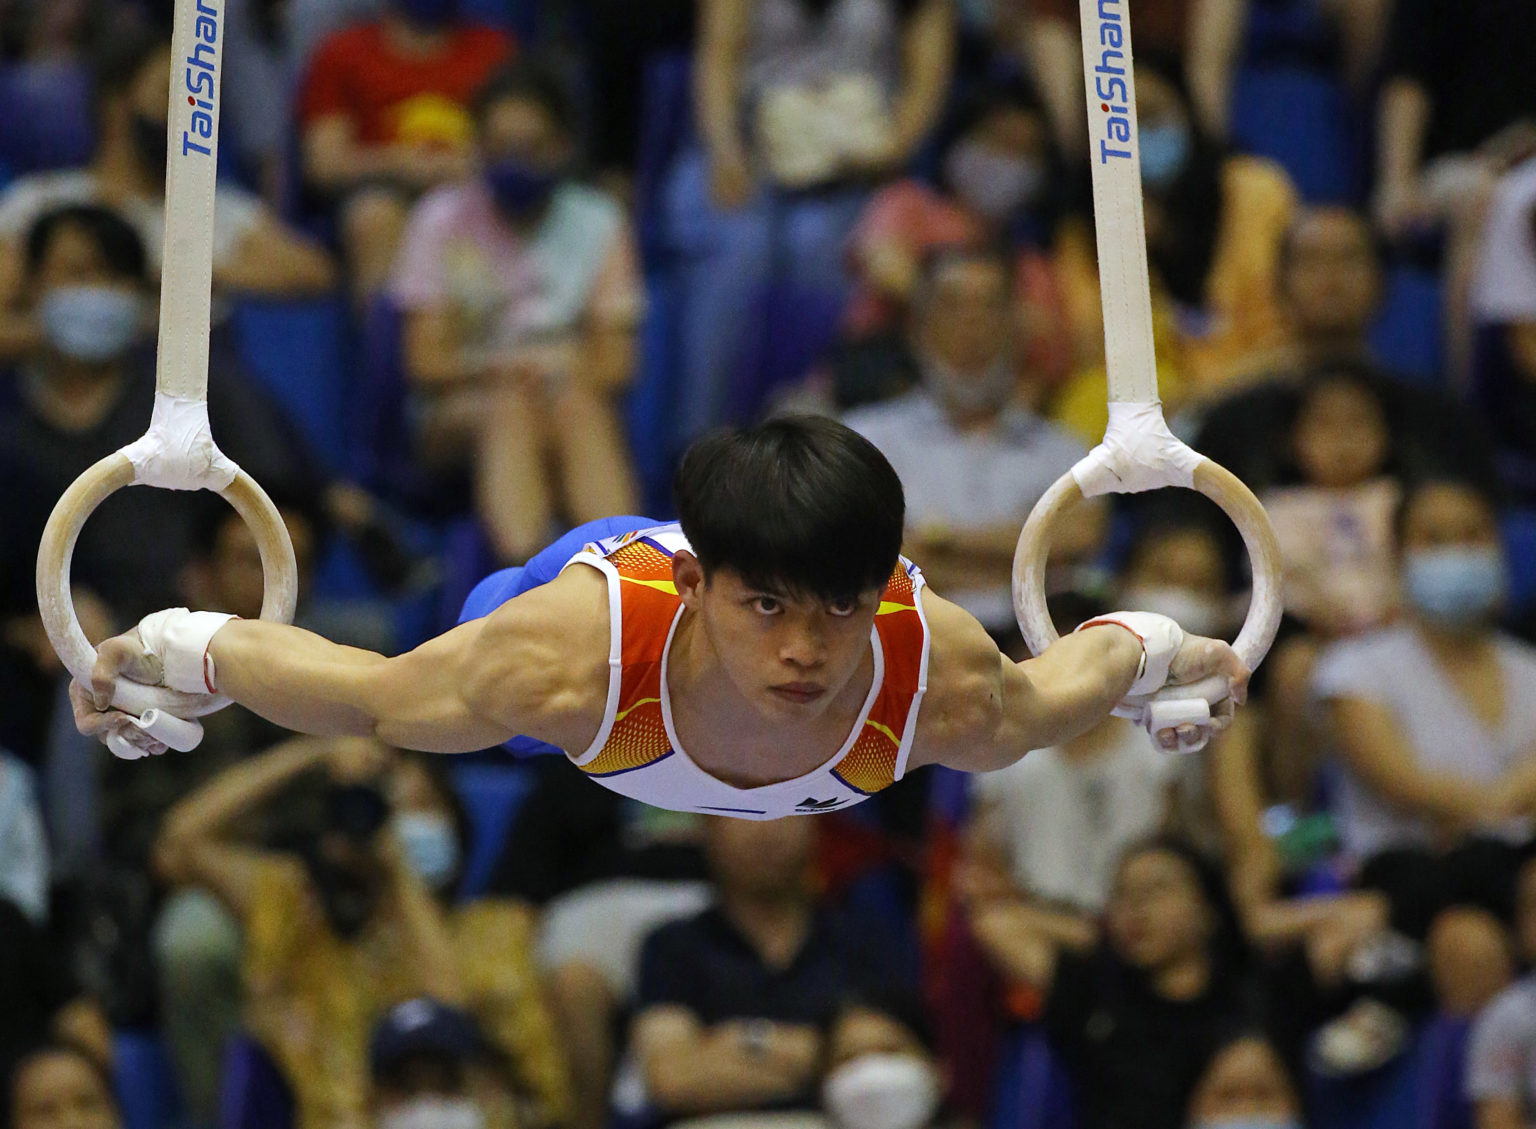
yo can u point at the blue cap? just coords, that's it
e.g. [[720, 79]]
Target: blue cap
[[423, 1027]]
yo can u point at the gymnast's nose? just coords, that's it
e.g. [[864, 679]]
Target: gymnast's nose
[[803, 644]]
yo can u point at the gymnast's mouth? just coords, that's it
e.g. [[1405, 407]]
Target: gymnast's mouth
[[799, 691]]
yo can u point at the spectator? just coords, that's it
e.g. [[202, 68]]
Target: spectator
[[736, 1004], [1499, 1080], [1504, 310], [431, 1066], [880, 1075], [62, 1085], [1441, 144], [384, 115], [23, 846], [1001, 184], [973, 459], [1246, 1084], [1214, 224], [1136, 1019], [1431, 722], [837, 94], [603, 871], [84, 391], [347, 926], [1330, 287], [253, 251], [522, 298]]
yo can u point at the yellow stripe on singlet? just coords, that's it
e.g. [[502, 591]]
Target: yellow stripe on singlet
[[873, 724], [666, 586], [642, 702], [887, 607]]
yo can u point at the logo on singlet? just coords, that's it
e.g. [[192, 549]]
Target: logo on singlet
[[810, 805]]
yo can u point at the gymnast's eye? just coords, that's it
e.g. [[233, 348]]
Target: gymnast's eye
[[843, 608], [767, 605]]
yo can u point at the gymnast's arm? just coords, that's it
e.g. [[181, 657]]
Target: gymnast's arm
[[529, 668], [983, 711]]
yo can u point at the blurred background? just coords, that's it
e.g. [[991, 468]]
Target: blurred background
[[483, 268]]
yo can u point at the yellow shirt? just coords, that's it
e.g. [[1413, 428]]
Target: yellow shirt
[[312, 999]]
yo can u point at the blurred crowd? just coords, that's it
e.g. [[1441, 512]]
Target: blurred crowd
[[482, 268]]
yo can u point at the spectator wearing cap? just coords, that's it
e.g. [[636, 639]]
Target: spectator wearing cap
[[430, 1065]]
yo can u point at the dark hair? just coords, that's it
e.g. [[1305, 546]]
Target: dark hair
[[114, 237], [1018, 93], [1287, 249], [55, 1046], [119, 63], [530, 80], [799, 504], [938, 259], [1417, 487], [1227, 945]]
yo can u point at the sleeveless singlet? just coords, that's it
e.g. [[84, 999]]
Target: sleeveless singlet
[[637, 753]]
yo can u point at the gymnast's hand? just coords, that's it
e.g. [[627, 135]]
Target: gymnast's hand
[[121, 656], [1199, 658]]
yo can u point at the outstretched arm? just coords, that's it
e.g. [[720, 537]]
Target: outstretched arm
[[522, 670]]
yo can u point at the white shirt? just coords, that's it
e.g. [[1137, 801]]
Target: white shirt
[[1504, 283], [1501, 1055], [1065, 821]]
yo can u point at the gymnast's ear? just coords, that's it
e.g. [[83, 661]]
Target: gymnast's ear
[[688, 576]]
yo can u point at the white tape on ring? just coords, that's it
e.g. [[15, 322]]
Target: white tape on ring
[[1139, 453], [178, 451]]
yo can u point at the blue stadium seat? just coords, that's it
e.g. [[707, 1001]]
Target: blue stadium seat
[[1520, 544], [492, 793], [1033, 1091], [45, 116], [145, 1085], [666, 130], [296, 350], [1303, 120], [253, 1094], [1408, 336]]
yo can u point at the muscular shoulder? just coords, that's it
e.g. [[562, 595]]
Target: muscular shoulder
[[540, 663], [963, 708]]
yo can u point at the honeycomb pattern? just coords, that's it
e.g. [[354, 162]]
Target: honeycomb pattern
[[639, 739]]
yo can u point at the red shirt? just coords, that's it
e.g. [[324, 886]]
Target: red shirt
[[390, 97]]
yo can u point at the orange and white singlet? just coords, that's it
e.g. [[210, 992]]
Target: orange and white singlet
[[637, 752]]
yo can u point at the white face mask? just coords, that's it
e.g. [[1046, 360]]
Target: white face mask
[[434, 1111], [1197, 614], [882, 1091]]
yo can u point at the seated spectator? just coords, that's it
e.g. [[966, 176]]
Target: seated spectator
[[603, 871], [1330, 287], [83, 391], [356, 920], [254, 252], [736, 1005], [1246, 1084], [803, 105], [1499, 1080], [1214, 228], [431, 1066], [1136, 1019], [880, 1075], [384, 115], [61, 1085], [973, 458], [1432, 721], [1001, 185], [1504, 312], [522, 299]]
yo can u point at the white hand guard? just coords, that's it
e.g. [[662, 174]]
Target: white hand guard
[[180, 639], [1151, 702], [1160, 639]]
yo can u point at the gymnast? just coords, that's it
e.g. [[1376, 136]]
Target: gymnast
[[771, 654]]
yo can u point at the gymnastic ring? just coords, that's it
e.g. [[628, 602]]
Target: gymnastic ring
[[280, 584], [1216, 483]]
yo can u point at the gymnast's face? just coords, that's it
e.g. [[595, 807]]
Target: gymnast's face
[[791, 656]]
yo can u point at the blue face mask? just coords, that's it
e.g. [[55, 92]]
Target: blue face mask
[[1455, 587], [430, 846], [1164, 153], [431, 14], [519, 188], [94, 324], [1252, 1121]]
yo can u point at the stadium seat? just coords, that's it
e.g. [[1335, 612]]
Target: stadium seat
[[253, 1092], [145, 1085], [1520, 543], [296, 351], [1033, 1091], [1408, 335], [45, 116], [666, 129], [1303, 120], [492, 793]]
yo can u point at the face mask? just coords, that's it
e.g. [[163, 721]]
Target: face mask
[[430, 846], [1164, 153], [433, 1111], [93, 324], [1455, 587], [993, 183], [1252, 1121], [973, 393], [430, 14], [519, 188], [1198, 614], [882, 1091], [149, 143]]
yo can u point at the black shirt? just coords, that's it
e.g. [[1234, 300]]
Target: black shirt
[[34, 987]]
